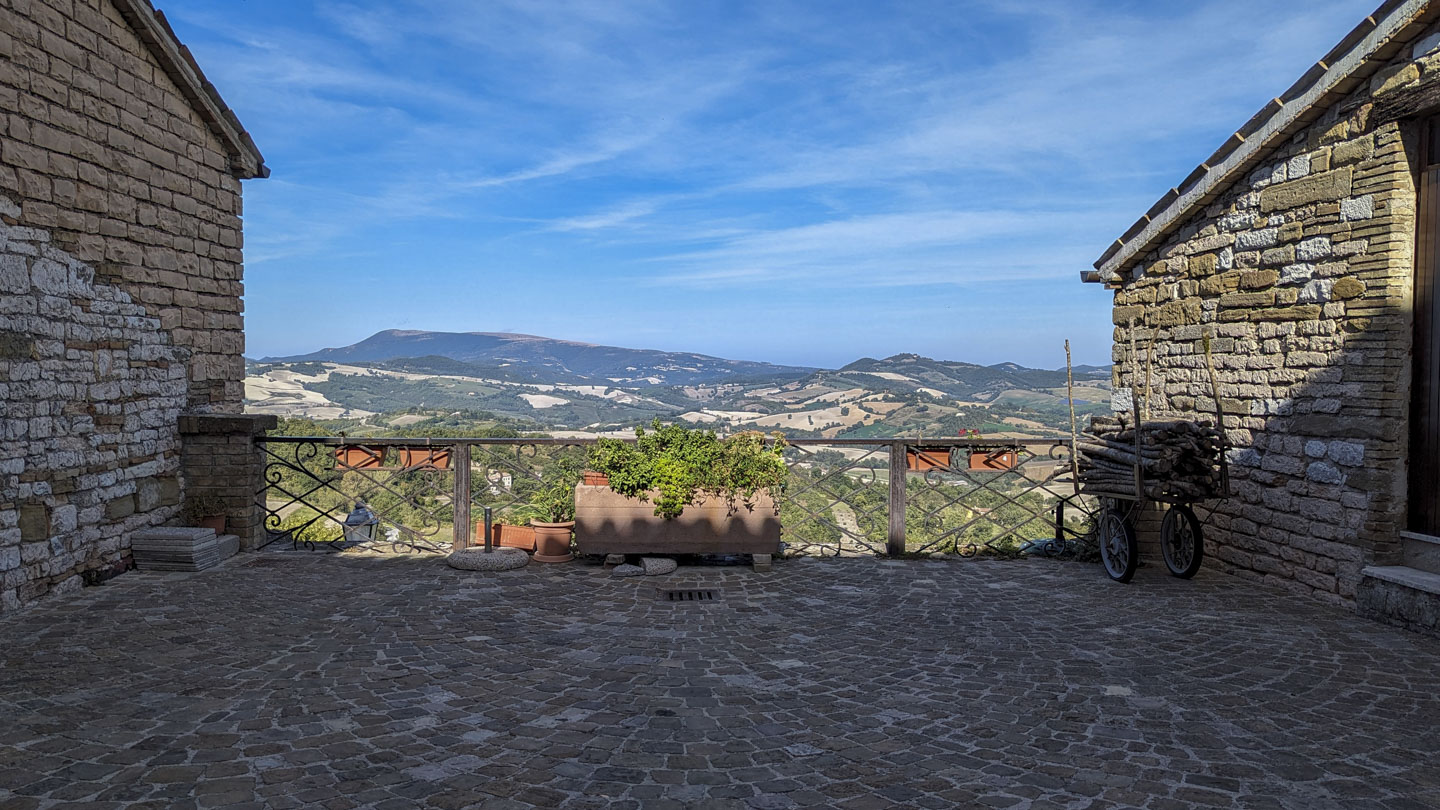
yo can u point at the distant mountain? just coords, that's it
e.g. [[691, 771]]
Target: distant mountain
[[964, 381], [550, 360]]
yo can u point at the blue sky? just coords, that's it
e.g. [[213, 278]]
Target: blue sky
[[798, 182]]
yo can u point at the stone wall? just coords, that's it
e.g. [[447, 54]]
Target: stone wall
[[91, 387], [102, 150], [1300, 276], [120, 285]]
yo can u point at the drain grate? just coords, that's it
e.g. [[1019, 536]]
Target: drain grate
[[688, 595]]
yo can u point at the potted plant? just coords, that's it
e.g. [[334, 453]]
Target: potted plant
[[205, 512], [677, 490], [552, 514]]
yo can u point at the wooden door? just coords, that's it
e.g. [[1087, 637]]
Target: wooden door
[[1425, 379]]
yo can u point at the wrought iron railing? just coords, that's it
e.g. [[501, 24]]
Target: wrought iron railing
[[845, 497]]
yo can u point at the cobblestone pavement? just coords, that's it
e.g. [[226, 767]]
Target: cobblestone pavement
[[339, 683]]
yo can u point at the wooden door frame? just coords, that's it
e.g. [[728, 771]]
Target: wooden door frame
[[1423, 428]]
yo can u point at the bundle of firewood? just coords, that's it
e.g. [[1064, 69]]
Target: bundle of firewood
[[1178, 459]]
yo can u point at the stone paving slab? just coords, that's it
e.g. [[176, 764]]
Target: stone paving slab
[[322, 681]]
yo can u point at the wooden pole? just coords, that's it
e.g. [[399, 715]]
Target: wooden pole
[[1070, 396], [1149, 363], [1214, 385], [461, 497], [1219, 418], [895, 540], [1135, 414], [1134, 373]]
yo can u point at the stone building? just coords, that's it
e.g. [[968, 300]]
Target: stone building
[[120, 289], [1306, 250]]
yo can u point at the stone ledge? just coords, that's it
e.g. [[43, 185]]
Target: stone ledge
[[1412, 578], [1420, 538], [224, 424], [1400, 595]]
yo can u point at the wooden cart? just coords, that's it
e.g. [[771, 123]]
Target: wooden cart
[[1182, 536]]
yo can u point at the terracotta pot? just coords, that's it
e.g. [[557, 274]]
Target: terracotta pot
[[216, 522], [921, 459], [503, 535], [425, 458], [552, 541], [1000, 459], [356, 457], [594, 479]]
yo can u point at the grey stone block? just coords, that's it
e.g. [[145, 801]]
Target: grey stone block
[[228, 545]]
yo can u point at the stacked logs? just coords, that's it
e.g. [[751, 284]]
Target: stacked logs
[[1179, 460]]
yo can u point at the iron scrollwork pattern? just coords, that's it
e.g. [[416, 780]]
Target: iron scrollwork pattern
[[839, 500], [310, 486], [506, 475], [1002, 499], [835, 503]]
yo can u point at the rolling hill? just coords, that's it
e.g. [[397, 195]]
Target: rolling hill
[[549, 360], [557, 385]]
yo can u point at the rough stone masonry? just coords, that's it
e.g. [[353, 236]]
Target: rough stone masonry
[[1300, 275], [120, 281]]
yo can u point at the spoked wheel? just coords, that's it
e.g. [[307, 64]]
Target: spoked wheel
[[1118, 550], [1182, 542]]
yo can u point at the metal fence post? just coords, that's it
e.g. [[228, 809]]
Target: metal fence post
[[461, 499], [895, 541]]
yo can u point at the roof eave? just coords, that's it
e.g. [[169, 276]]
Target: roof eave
[[1327, 82]]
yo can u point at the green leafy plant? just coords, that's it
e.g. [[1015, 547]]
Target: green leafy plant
[[554, 501], [679, 465]]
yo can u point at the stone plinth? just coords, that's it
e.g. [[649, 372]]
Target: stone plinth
[[220, 459]]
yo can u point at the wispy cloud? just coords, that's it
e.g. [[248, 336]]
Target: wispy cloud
[[619, 215], [884, 250], [933, 148]]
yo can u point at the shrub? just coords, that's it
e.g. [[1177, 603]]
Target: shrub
[[680, 465]]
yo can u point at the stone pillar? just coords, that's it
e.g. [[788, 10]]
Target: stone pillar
[[219, 458]]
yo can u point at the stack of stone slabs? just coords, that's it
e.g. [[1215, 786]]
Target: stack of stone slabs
[[175, 549]]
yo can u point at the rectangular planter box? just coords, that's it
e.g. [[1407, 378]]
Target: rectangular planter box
[[355, 457], [609, 523], [997, 459], [503, 535], [920, 459], [425, 458]]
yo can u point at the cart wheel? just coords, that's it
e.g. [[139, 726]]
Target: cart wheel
[[1182, 542], [1118, 550]]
